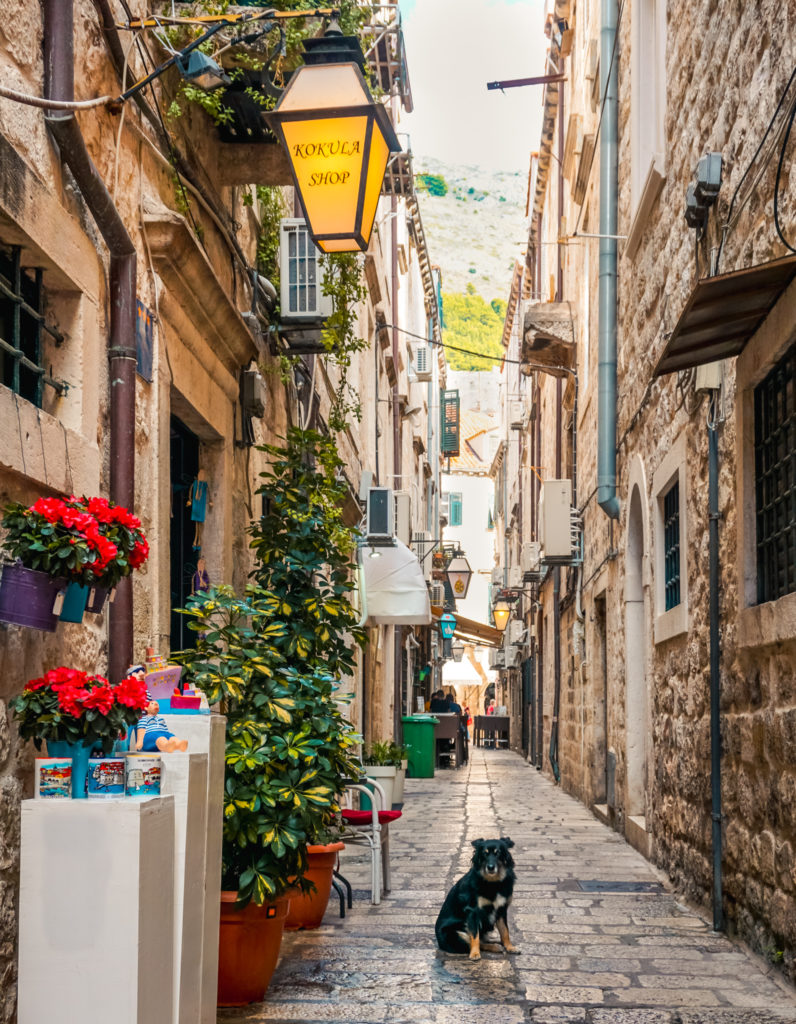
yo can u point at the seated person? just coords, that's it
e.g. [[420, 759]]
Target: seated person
[[439, 703], [452, 705]]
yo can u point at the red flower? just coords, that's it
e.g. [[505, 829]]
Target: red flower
[[131, 692], [51, 508], [70, 700], [35, 684], [139, 554], [101, 698]]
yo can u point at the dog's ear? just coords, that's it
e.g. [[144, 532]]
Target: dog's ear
[[478, 842], [509, 843]]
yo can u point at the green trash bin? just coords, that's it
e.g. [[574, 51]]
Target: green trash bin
[[419, 741]]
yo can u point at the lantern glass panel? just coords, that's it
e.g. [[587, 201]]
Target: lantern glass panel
[[329, 184], [324, 87], [379, 155]]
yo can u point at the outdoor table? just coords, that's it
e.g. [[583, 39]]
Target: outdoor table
[[495, 727]]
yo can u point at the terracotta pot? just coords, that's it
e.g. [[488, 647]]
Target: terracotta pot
[[307, 910], [248, 950]]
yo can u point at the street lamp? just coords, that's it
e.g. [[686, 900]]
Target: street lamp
[[501, 613], [338, 141], [457, 650], [459, 575]]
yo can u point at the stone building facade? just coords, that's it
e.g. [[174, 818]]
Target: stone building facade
[[186, 201], [618, 660]]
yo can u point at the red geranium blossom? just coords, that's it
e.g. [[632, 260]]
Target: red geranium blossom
[[101, 698], [139, 554], [70, 700], [132, 693]]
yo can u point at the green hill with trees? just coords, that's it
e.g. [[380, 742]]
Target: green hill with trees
[[472, 323]]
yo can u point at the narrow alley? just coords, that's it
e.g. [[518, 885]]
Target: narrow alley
[[602, 939]]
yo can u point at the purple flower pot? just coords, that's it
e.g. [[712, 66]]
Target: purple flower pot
[[27, 597]]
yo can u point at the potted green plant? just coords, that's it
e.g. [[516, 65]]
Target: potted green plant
[[305, 559], [380, 764], [288, 751]]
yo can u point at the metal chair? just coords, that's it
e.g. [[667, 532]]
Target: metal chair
[[371, 828]]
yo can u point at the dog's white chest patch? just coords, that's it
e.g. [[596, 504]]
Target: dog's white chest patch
[[484, 901], [500, 901]]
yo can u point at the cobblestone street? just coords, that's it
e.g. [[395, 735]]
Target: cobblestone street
[[592, 952]]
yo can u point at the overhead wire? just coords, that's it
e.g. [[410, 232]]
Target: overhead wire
[[729, 223]]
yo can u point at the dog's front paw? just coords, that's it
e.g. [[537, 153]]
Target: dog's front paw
[[512, 949], [475, 955]]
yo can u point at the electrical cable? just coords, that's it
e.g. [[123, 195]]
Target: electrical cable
[[751, 164], [777, 225], [455, 348], [40, 101]]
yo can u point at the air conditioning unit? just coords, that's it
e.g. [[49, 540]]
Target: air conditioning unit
[[497, 658], [403, 517], [381, 514], [422, 362], [530, 558], [436, 594], [515, 577], [555, 530], [516, 415], [421, 545], [497, 576], [301, 274]]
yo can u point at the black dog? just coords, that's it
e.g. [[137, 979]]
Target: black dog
[[479, 902]]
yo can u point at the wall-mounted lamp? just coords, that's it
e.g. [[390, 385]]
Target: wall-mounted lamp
[[201, 70], [501, 613]]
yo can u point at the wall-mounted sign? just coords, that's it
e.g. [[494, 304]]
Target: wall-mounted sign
[[447, 625], [143, 341], [449, 413]]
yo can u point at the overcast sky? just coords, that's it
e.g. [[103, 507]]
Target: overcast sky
[[454, 47]]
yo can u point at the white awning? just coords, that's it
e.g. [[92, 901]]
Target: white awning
[[395, 589]]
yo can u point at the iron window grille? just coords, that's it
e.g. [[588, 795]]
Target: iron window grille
[[22, 325], [775, 480], [671, 546]]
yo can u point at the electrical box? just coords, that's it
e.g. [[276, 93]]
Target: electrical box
[[555, 529], [381, 514], [403, 517], [423, 362], [708, 376], [254, 394], [516, 416], [301, 275]]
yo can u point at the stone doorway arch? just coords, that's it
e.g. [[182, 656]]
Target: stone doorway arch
[[636, 656]]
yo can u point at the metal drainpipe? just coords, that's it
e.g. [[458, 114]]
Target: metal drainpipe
[[397, 460], [539, 617], [553, 750], [606, 409], [715, 721], [59, 84]]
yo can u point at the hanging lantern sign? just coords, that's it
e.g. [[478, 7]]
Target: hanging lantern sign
[[339, 141], [447, 625], [501, 613], [459, 576]]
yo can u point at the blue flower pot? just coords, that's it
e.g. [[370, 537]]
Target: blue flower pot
[[79, 754], [74, 603]]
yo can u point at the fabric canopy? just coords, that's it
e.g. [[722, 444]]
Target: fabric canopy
[[395, 589]]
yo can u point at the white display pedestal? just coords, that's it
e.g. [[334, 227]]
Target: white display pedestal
[[96, 911], [185, 778], [206, 734]]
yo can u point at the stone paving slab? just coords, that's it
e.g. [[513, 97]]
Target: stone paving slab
[[587, 957]]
